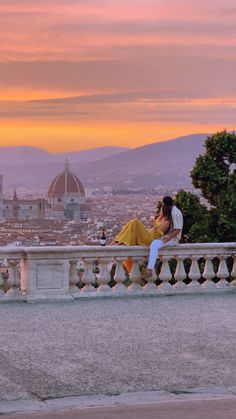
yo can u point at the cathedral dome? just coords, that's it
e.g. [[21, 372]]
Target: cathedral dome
[[65, 183]]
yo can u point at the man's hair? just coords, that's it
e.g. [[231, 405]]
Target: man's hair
[[167, 200]]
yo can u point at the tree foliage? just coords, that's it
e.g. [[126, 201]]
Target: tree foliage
[[214, 173], [196, 217]]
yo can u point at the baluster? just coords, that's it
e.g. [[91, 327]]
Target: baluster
[[165, 275], [104, 277], [5, 265], [222, 272], [14, 280], [180, 273], [194, 273], [80, 269], [73, 277], [150, 286], [135, 277], [2, 294], [233, 273], [119, 277], [88, 277], [208, 273]]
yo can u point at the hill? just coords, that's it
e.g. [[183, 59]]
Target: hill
[[14, 156], [165, 164]]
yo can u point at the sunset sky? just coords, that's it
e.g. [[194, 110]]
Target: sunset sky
[[78, 74]]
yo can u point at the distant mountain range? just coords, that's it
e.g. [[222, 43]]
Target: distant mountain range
[[27, 155], [165, 164]]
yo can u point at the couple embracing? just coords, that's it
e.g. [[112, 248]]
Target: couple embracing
[[166, 231]]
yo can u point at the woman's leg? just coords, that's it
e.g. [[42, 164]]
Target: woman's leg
[[133, 233]]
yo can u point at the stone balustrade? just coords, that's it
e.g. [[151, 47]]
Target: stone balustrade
[[67, 273]]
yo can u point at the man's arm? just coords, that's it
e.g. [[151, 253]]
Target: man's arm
[[177, 219], [170, 235]]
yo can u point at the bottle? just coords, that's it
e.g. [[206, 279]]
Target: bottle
[[103, 238]]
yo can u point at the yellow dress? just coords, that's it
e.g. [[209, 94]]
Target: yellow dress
[[135, 233]]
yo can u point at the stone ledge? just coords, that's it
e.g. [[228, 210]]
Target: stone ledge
[[123, 399]]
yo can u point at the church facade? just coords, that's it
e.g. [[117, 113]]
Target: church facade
[[65, 200]]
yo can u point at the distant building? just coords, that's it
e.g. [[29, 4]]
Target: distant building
[[20, 209], [65, 200]]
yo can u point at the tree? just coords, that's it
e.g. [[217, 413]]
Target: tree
[[214, 174], [196, 218]]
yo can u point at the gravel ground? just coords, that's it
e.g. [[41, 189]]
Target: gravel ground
[[110, 346]]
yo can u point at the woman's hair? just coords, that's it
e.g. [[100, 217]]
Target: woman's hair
[[166, 210], [159, 207]]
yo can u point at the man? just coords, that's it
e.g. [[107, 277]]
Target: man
[[171, 238]]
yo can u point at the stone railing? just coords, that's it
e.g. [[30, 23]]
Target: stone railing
[[68, 273]]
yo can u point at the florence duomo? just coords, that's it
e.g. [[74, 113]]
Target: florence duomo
[[65, 199]]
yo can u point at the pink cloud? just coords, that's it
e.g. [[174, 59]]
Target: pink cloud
[[81, 30], [119, 58]]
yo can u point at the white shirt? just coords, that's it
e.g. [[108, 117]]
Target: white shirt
[[177, 222]]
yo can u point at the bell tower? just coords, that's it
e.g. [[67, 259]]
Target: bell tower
[[15, 207]]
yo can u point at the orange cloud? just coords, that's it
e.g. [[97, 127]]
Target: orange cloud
[[84, 73]]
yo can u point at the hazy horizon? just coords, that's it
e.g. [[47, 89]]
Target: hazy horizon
[[108, 146]]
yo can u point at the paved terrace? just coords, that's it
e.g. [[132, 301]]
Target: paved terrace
[[117, 345]]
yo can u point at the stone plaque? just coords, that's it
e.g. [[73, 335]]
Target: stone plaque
[[49, 276]]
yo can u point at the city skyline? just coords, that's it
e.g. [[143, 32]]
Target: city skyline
[[81, 74]]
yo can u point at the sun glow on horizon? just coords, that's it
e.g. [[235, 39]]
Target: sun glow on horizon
[[52, 138]]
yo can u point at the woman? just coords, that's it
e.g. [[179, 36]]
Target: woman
[[135, 232]]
